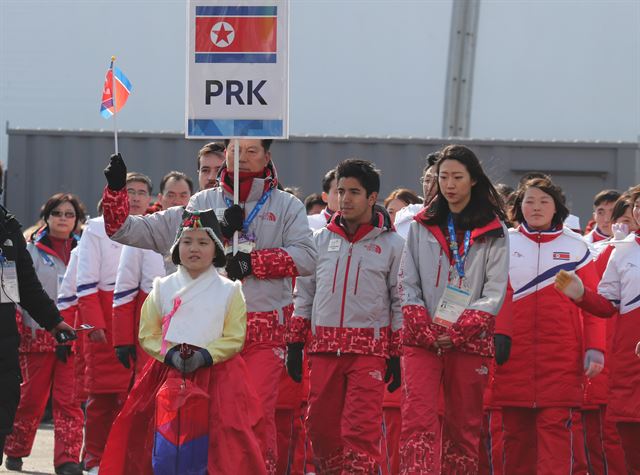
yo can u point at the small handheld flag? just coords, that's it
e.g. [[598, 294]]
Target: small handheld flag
[[115, 92]]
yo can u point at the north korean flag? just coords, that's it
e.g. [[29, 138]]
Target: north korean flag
[[236, 34]]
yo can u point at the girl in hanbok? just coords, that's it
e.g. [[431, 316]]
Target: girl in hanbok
[[193, 325]]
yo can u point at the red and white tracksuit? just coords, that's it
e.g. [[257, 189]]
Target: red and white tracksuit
[[43, 373], [106, 380], [460, 373], [619, 290], [604, 453], [540, 388], [136, 271], [595, 235], [68, 307], [352, 306], [283, 249]]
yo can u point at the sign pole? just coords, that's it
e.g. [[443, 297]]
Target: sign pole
[[236, 186]]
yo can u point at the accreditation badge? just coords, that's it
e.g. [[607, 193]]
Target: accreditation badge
[[246, 243], [9, 282], [454, 301]]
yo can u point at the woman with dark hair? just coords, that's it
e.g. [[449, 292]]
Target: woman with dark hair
[[454, 279], [540, 387], [398, 199], [48, 367]]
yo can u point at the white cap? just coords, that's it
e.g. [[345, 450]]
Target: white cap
[[573, 222]]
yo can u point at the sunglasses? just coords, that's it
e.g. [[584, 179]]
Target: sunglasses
[[66, 214]]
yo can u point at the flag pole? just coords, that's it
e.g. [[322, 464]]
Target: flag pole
[[236, 186], [113, 96]]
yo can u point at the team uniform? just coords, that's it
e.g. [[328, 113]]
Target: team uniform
[[352, 307], [281, 248], [540, 387], [428, 268], [320, 220], [106, 380], [619, 290], [42, 372]]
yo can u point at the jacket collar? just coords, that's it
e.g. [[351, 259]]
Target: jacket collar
[[540, 236], [599, 235], [492, 229], [259, 185], [378, 225], [42, 241]]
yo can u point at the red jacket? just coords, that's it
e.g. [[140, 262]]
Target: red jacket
[[619, 290], [550, 333]]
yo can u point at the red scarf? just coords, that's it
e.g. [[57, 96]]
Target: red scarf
[[246, 180]]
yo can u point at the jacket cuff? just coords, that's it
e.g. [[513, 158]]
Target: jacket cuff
[[415, 329], [471, 323], [274, 263], [297, 330], [395, 343], [115, 209], [208, 360], [596, 304]]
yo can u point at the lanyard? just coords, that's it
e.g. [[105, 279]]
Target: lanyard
[[453, 244], [254, 212]]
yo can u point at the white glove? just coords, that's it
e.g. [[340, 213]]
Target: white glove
[[569, 284], [638, 349], [619, 231], [593, 363]]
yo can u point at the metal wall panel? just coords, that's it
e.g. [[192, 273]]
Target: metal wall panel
[[43, 162]]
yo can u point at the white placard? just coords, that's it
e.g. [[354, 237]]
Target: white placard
[[237, 69]]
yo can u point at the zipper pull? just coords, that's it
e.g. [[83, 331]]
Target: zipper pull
[[338, 351], [350, 248]]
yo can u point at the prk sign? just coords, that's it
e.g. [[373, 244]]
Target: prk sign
[[237, 69]]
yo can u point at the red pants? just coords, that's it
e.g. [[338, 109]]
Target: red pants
[[492, 444], [43, 374], [602, 442], [294, 447], [102, 409], [391, 426], [345, 412], [544, 441], [265, 362], [462, 378], [630, 437]]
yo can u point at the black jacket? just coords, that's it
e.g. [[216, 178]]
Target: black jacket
[[34, 299]]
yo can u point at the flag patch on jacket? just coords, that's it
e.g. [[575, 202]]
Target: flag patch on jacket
[[561, 256]]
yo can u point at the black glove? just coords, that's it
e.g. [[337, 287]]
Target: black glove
[[294, 361], [65, 336], [116, 173], [199, 359], [124, 352], [63, 352], [393, 373], [239, 266], [233, 221], [503, 348]]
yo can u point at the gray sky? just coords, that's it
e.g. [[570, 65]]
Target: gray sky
[[544, 69]]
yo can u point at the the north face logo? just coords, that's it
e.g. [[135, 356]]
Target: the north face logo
[[377, 375], [482, 370], [373, 248], [269, 217]]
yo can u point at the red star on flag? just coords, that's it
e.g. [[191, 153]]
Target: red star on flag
[[222, 34]]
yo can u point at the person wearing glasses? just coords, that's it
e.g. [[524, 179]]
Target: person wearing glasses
[[47, 366], [106, 379]]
